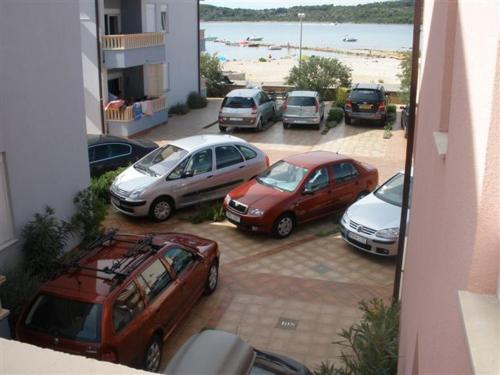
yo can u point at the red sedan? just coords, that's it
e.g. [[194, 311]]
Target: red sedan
[[298, 189]]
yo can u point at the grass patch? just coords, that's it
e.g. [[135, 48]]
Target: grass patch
[[206, 212]]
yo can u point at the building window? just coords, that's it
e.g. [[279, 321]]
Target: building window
[[164, 18], [6, 225]]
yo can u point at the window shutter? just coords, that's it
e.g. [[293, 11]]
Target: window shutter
[[153, 85]]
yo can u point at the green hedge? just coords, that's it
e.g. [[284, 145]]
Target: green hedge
[[178, 109], [196, 101], [391, 108], [342, 94], [335, 114]]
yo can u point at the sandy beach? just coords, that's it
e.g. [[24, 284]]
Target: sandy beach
[[274, 71]]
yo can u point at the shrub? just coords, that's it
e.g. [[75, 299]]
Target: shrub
[[100, 185], [335, 114], [210, 212], [178, 109], [320, 73], [211, 70], [372, 343], [405, 77], [342, 94], [195, 100], [261, 59], [391, 108], [90, 213], [44, 240], [18, 289]]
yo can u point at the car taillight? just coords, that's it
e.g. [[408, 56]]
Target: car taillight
[[381, 106], [109, 355], [254, 109], [348, 103], [317, 106], [285, 105], [267, 161]]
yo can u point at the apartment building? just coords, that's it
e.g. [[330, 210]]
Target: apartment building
[[450, 297], [43, 152], [139, 57]]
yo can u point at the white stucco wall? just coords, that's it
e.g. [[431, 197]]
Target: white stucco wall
[[42, 108]]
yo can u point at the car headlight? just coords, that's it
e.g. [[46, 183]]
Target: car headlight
[[388, 234], [227, 199], [345, 219], [136, 194], [256, 212]]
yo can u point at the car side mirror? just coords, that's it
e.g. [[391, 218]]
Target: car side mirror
[[308, 191], [187, 174]]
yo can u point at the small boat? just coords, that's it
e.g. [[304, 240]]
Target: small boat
[[347, 38], [275, 48], [211, 38], [254, 38], [253, 45]]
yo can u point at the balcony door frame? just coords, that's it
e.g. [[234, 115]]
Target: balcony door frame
[[112, 12]]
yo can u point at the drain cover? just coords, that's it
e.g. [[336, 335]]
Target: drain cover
[[285, 323], [321, 268]]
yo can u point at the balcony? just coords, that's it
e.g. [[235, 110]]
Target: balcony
[[121, 122], [127, 50]]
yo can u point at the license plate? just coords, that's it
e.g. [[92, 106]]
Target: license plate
[[365, 106], [233, 217], [300, 122], [235, 119], [115, 201], [356, 237]]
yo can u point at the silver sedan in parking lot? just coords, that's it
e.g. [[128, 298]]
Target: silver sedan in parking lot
[[372, 223], [186, 172]]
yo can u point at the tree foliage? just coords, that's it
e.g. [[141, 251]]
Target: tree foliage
[[319, 74], [395, 12], [405, 77], [211, 70]]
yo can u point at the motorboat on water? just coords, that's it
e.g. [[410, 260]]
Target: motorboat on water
[[255, 38], [347, 38], [275, 48]]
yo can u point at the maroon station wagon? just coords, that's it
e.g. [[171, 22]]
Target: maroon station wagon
[[123, 298]]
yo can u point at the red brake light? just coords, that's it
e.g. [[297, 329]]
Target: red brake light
[[267, 161], [285, 105], [317, 105], [348, 103], [381, 106], [254, 109]]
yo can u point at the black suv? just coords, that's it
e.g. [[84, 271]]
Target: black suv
[[366, 101]]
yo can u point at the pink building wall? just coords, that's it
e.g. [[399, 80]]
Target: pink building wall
[[453, 241]]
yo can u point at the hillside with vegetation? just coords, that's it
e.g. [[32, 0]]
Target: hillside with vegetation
[[393, 12]]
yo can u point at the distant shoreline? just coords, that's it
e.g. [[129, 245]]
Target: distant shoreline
[[307, 22]]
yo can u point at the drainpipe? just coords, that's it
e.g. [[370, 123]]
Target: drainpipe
[[417, 21], [99, 66]]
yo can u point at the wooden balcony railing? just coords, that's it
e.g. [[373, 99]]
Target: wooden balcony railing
[[120, 115], [129, 41]]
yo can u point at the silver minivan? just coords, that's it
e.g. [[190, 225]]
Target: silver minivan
[[185, 172], [246, 108], [303, 107]]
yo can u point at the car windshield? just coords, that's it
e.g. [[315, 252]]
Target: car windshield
[[283, 176], [161, 161], [304, 101], [65, 318], [237, 102], [392, 191], [365, 95]]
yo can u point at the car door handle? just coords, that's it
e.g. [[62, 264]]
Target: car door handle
[[210, 176], [242, 166]]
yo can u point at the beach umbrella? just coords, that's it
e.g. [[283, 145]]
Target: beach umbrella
[[222, 58]]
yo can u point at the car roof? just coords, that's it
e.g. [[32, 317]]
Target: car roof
[[313, 159], [212, 352], [82, 281], [245, 93], [367, 86], [197, 142], [303, 93]]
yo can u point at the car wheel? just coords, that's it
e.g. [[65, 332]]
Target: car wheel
[[286, 125], [283, 226], [259, 125], [222, 129], [347, 120], [161, 209], [212, 279], [152, 358]]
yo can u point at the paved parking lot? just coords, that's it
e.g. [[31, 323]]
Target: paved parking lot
[[290, 296]]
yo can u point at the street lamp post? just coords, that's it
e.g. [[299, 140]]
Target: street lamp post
[[301, 17]]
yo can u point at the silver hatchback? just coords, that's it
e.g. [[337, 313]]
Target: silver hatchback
[[304, 108], [246, 108], [185, 172]]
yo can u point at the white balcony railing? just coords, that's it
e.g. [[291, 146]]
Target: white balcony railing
[[129, 41], [126, 114]]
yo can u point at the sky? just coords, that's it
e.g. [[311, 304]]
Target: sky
[[261, 4]]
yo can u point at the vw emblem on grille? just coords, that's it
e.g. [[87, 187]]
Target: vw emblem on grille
[[360, 228]]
